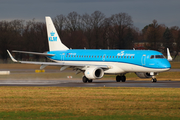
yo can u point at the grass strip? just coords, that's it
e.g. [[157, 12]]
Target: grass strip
[[89, 103]]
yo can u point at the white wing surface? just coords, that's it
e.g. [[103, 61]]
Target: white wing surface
[[55, 64]]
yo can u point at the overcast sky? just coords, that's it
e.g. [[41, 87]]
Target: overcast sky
[[143, 12]]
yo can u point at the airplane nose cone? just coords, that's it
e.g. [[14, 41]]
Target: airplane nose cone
[[165, 65]]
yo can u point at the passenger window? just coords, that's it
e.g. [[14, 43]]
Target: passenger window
[[107, 56], [127, 56], [133, 56], [118, 56], [130, 56], [110, 57], [89, 56], [124, 56], [121, 56]]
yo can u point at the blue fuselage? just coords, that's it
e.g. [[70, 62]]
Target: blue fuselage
[[135, 57]]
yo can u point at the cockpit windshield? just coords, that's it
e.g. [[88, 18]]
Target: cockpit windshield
[[157, 56], [152, 57]]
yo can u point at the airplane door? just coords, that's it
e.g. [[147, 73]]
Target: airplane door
[[104, 57], [62, 57], [143, 60]]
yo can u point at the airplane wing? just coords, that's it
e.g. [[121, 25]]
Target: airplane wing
[[44, 64], [35, 53]]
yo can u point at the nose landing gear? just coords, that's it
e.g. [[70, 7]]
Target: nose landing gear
[[154, 79]]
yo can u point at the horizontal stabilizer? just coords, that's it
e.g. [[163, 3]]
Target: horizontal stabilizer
[[35, 53]]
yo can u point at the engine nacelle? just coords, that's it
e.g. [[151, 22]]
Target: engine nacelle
[[94, 73], [143, 75]]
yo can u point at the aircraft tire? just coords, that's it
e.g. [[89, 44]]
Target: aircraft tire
[[118, 78], [154, 80], [84, 79], [123, 78], [89, 81]]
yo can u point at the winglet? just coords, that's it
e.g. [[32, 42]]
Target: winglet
[[169, 58], [14, 60]]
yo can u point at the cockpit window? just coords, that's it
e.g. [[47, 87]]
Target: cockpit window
[[159, 56], [152, 57]]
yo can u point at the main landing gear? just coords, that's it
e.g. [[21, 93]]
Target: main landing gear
[[120, 78], [85, 80]]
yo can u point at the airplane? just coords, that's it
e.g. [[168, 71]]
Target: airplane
[[95, 63]]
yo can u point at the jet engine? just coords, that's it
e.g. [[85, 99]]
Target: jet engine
[[143, 75], [94, 73]]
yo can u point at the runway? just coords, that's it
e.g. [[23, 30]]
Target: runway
[[77, 82], [95, 83]]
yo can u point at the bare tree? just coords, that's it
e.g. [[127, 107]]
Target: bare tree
[[59, 22], [87, 28], [153, 35], [175, 30], [73, 21], [120, 23], [75, 37], [106, 33], [11, 36], [97, 20]]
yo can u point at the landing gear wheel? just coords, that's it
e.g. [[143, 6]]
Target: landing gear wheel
[[123, 78], [84, 79], [90, 81], [118, 78], [154, 80]]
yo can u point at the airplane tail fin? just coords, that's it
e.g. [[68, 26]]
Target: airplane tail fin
[[53, 37]]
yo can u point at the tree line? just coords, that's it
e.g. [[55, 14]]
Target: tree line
[[90, 31]]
